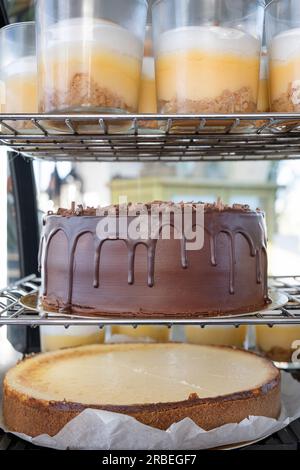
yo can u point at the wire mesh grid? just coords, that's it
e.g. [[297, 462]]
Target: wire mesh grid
[[12, 311], [90, 137]]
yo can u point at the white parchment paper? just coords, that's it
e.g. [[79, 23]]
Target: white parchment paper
[[102, 430]]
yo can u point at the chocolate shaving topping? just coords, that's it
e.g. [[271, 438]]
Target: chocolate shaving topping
[[138, 208]]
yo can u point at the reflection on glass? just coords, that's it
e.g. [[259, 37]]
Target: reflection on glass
[[20, 10]]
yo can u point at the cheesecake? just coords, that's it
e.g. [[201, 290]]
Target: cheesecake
[[85, 272], [158, 384]]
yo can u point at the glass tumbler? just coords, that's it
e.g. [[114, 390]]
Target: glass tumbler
[[90, 55], [283, 38], [207, 55], [19, 71]]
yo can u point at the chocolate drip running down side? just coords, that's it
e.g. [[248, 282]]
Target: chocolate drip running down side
[[231, 224]]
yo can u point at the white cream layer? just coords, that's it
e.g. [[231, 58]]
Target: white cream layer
[[286, 46], [213, 39], [23, 66], [92, 33]]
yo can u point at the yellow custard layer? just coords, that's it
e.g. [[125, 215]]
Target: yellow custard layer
[[219, 336], [55, 342], [285, 82], [198, 75], [147, 99], [263, 104], [98, 78], [159, 334], [276, 337], [20, 93]]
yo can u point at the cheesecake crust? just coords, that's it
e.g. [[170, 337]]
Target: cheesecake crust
[[32, 416], [241, 101]]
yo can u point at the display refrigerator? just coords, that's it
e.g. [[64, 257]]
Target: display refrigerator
[[51, 158]]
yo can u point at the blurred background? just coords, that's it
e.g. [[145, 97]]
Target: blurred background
[[272, 186]]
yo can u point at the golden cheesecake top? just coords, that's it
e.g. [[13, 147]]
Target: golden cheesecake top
[[131, 374]]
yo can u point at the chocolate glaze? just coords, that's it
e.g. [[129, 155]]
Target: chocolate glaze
[[84, 275]]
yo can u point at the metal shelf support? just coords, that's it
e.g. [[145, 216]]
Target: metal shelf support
[[13, 313], [168, 138]]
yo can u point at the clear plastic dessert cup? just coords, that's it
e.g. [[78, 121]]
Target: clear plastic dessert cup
[[207, 55], [216, 335], [279, 343], [90, 55], [283, 38], [19, 72], [143, 333], [57, 337]]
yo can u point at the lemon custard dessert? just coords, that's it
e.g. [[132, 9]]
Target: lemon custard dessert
[[103, 75], [278, 343], [285, 71], [207, 69], [20, 84]]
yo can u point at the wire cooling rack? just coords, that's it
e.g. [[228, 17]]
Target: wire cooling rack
[[169, 138], [12, 312]]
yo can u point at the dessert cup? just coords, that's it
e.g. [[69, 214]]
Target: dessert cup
[[216, 335], [277, 342], [143, 333], [19, 72], [207, 56], [283, 38], [54, 338], [90, 57]]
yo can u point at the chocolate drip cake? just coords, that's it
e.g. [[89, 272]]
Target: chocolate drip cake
[[88, 273]]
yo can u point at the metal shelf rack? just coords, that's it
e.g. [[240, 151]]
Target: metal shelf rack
[[13, 313], [92, 137]]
